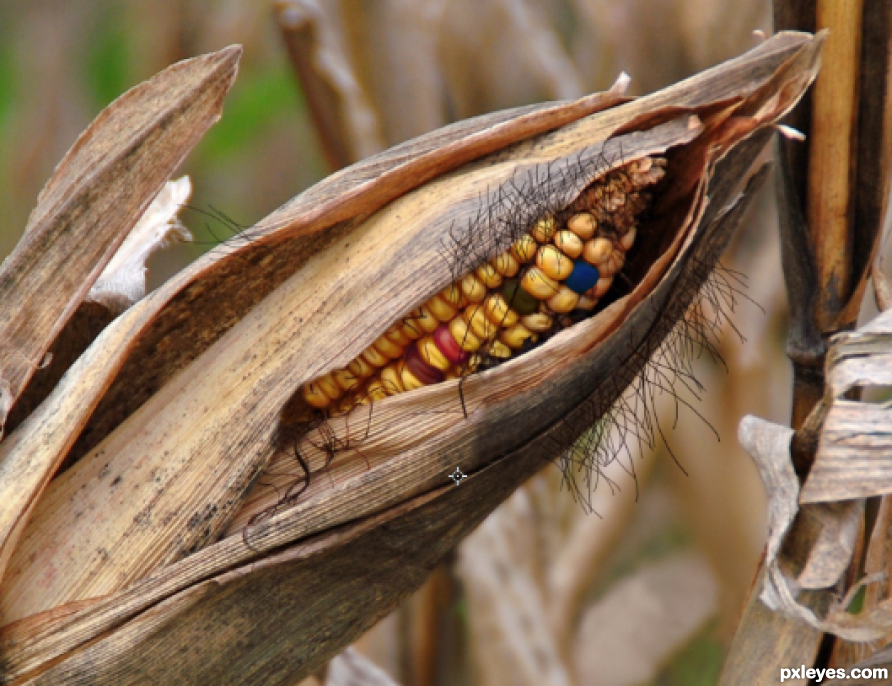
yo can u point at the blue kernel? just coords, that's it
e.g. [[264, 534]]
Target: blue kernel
[[583, 277]]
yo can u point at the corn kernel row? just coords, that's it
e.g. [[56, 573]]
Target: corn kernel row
[[500, 306]]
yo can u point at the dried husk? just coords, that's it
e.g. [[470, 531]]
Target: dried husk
[[852, 459], [312, 587], [851, 464], [97, 194], [817, 564]]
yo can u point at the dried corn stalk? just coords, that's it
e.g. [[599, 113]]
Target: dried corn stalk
[[120, 574]]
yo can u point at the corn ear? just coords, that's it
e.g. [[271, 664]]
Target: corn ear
[[185, 396]]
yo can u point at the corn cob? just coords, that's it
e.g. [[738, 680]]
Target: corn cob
[[567, 261]]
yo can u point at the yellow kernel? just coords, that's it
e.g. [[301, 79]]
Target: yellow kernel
[[500, 350], [538, 284], [360, 368], [537, 322], [480, 324], [375, 357], [390, 380], [628, 240], [568, 243], [395, 334], [524, 249], [410, 381], [346, 379], [543, 229], [388, 348], [315, 397], [551, 261], [583, 225], [376, 390], [505, 264], [563, 301], [431, 354], [515, 336], [597, 250], [463, 335], [489, 276], [453, 295], [452, 373], [411, 327], [498, 311], [426, 320], [441, 309], [473, 288], [328, 386]]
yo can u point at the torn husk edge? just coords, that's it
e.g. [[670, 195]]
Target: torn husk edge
[[641, 325]]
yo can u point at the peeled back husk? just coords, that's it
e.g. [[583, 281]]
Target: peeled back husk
[[142, 593]]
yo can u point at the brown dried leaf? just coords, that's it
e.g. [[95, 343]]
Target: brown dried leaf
[[852, 458], [98, 192], [764, 634], [835, 531], [839, 526]]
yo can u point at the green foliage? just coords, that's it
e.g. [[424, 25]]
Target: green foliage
[[699, 664], [256, 101], [857, 603], [8, 81], [108, 59]]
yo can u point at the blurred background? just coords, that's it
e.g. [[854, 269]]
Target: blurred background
[[648, 589]]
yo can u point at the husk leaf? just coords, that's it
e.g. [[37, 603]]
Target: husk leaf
[[96, 195]]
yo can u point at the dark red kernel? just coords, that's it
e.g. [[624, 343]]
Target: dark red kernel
[[446, 344], [420, 369]]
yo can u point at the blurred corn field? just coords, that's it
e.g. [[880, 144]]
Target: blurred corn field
[[649, 588]]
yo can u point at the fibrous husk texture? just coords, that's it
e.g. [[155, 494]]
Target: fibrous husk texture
[[850, 465], [147, 560]]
